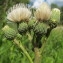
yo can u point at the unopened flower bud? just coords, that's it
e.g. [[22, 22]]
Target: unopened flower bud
[[23, 27], [55, 15], [41, 28], [32, 23], [9, 32]]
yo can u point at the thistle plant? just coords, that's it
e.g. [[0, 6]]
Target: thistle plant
[[19, 14], [36, 29]]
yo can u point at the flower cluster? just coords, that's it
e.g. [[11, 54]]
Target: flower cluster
[[34, 30], [19, 13]]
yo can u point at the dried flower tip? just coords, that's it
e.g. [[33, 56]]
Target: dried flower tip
[[18, 13], [43, 12]]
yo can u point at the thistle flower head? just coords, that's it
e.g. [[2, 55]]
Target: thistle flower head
[[43, 12], [18, 13]]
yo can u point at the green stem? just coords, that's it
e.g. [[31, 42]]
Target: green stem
[[43, 45], [23, 49], [29, 36], [42, 48], [37, 55]]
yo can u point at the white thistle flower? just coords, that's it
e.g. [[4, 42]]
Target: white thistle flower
[[43, 12], [18, 13]]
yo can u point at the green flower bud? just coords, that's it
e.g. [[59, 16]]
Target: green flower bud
[[23, 27], [32, 23], [41, 28], [55, 15], [9, 32]]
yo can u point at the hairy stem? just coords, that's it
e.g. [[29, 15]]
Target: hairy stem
[[23, 49], [37, 55]]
